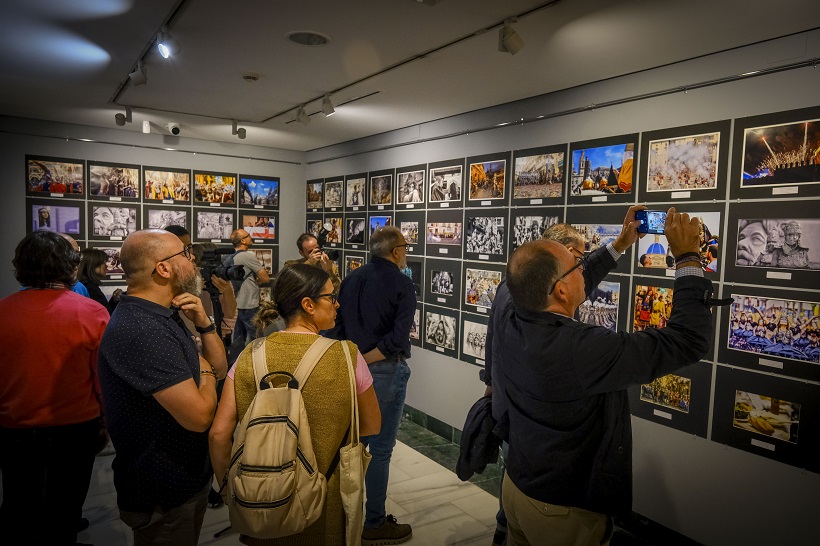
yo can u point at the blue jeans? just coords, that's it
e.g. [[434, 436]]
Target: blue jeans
[[390, 383], [244, 332]]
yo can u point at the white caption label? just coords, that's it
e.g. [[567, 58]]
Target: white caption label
[[536, 201], [483, 256], [670, 272], [258, 240], [764, 445], [216, 240], [663, 414], [410, 249], [440, 349], [443, 251], [411, 206], [785, 191], [599, 199], [354, 246], [116, 199], [215, 204], [257, 206], [380, 207], [441, 300], [681, 195], [445, 205], [57, 194], [116, 238], [355, 208], [770, 363], [785, 275], [479, 361], [482, 310], [116, 276], [168, 201], [485, 203]]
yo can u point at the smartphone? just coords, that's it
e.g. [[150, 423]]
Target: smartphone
[[652, 221]]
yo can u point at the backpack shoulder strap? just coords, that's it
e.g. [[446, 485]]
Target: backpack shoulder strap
[[311, 358], [260, 366]]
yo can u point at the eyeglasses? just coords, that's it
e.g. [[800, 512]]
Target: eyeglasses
[[580, 264], [186, 251], [405, 245], [334, 297]]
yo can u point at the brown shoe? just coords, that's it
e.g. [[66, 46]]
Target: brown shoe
[[391, 532]]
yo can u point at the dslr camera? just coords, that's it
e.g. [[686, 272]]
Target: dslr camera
[[213, 263], [322, 240]]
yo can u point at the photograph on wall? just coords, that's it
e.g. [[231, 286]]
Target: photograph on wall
[[486, 235], [410, 231], [652, 307], [598, 235], [474, 336], [779, 243], [683, 163], [377, 222], [355, 230], [113, 290], [265, 256], [333, 194], [440, 330], [355, 192], [415, 327], [415, 270], [160, 218], [214, 188], [412, 226], [776, 327], [315, 197], [670, 391], [600, 225], [166, 185], [601, 307], [381, 190], [314, 226], [352, 263], [442, 283], [60, 218], [54, 176], [108, 221], [334, 230], [487, 180], [444, 233], [410, 187], [539, 176], [767, 415], [259, 226], [258, 191], [113, 181], [782, 154], [530, 224], [214, 225], [654, 253], [113, 265], [446, 183], [480, 286], [603, 169]]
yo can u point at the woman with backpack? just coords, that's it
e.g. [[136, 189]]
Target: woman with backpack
[[303, 296]]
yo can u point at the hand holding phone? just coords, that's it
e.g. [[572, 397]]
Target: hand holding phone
[[652, 221]]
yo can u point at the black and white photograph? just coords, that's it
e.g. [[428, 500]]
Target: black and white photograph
[[333, 194], [315, 196], [410, 187], [440, 330], [112, 181], [601, 307], [159, 218], [415, 328], [354, 231], [445, 183], [485, 234], [538, 175], [355, 191], [213, 225], [314, 226], [474, 338], [381, 190], [112, 222], [480, 286], [529, 225], [442, 283]]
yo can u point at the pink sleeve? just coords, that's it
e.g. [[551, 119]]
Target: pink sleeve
[[232, 371], [363, 377]]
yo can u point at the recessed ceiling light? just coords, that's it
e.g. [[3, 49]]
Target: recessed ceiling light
[[308, 38]]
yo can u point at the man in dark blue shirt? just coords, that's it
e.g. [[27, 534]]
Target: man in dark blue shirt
[[377, 303]]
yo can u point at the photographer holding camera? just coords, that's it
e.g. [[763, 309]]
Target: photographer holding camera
[[247, 297], [313, 254]]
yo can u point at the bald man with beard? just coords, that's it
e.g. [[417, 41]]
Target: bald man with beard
[[159, 395]]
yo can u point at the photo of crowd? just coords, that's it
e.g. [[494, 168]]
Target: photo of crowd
[[487, 180], [779, 243], [766, 415], [603, 170], [214, 188], [411, 187], [474, 339], [485, 234], [683, 163], [167, 185], [258, 191], [333, 194], [160, 218], [670, 391], [445, 184], [106, 180], [653, 306], [444, 233], [601, 308], [598, 235], [529, 228], [781, 154], [440, 330], [539, 176], [114, 221], [50, 176], [480, 287], [355, 192], [442, 283], [214, 225]]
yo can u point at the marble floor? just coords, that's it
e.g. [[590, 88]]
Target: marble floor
[[441, 508]]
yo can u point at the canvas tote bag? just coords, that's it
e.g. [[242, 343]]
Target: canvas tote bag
[[353, 461]]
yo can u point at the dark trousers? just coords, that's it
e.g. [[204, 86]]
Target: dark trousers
[[46, 474]]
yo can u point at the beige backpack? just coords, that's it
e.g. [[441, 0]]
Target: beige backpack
[[274, 486]]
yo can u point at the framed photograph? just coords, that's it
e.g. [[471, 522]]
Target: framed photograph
[[113, 181], [214, 189], [529, 224], [486, 233], [55, 177], [259, 192], [169, 186], [488, 180], [416, 266], [444, 233], [480, 284], [411, 187], [356, 192], [473, 338], [679, 400], [774, 243], [334, 225], [215, 226], [601, 225], [441, 330], [314, 224], [417, 328], [653, 256], [353, 260], [354, 233], [269, 256], [112, 221], [113, 266], [767, 415], [334, 194], [56, 215], [772, 330], [539, 175], [776, 155], [381, 190], [376, 221], [260, 225], [445, 184], [442, 280], [315, 194], [602, 170], [412, 226], [685, 162], [159, 217], [109, 290], [606, 303]]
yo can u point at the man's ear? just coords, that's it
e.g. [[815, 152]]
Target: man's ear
[[164, 270]]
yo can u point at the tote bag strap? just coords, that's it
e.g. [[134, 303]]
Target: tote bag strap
[[354, 401]]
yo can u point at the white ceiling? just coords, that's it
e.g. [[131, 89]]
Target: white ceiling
[[65, 60]]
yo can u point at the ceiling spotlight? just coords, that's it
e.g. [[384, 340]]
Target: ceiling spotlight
[[121, 119], [508, 39], [238, 131], [167, 46], [138, 76], [327, 106], [301, 116]]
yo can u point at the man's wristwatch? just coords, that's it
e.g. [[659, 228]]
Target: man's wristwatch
[[209, 328]]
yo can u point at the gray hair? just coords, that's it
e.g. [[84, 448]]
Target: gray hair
[[564, 234], [384, 240]]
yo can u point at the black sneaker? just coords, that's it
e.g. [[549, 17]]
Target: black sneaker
[[500, 538], [391, 532], [214, 498]]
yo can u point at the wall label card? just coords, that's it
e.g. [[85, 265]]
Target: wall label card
[[441, 350], [599, 199], [770, 363], [443, 251], [536, 201], [785, 191], [483, 256], [764, 445], [57, 195], [670, 272], [479, 361], [441, 300], [168, 201], [663, 414], [681, 195], [115, 198], [785, 275], [445, 205], [410, 206]]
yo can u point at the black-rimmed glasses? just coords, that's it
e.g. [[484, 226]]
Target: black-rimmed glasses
[[580, 264], [186, 251], [405, 245], [334, 297]]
